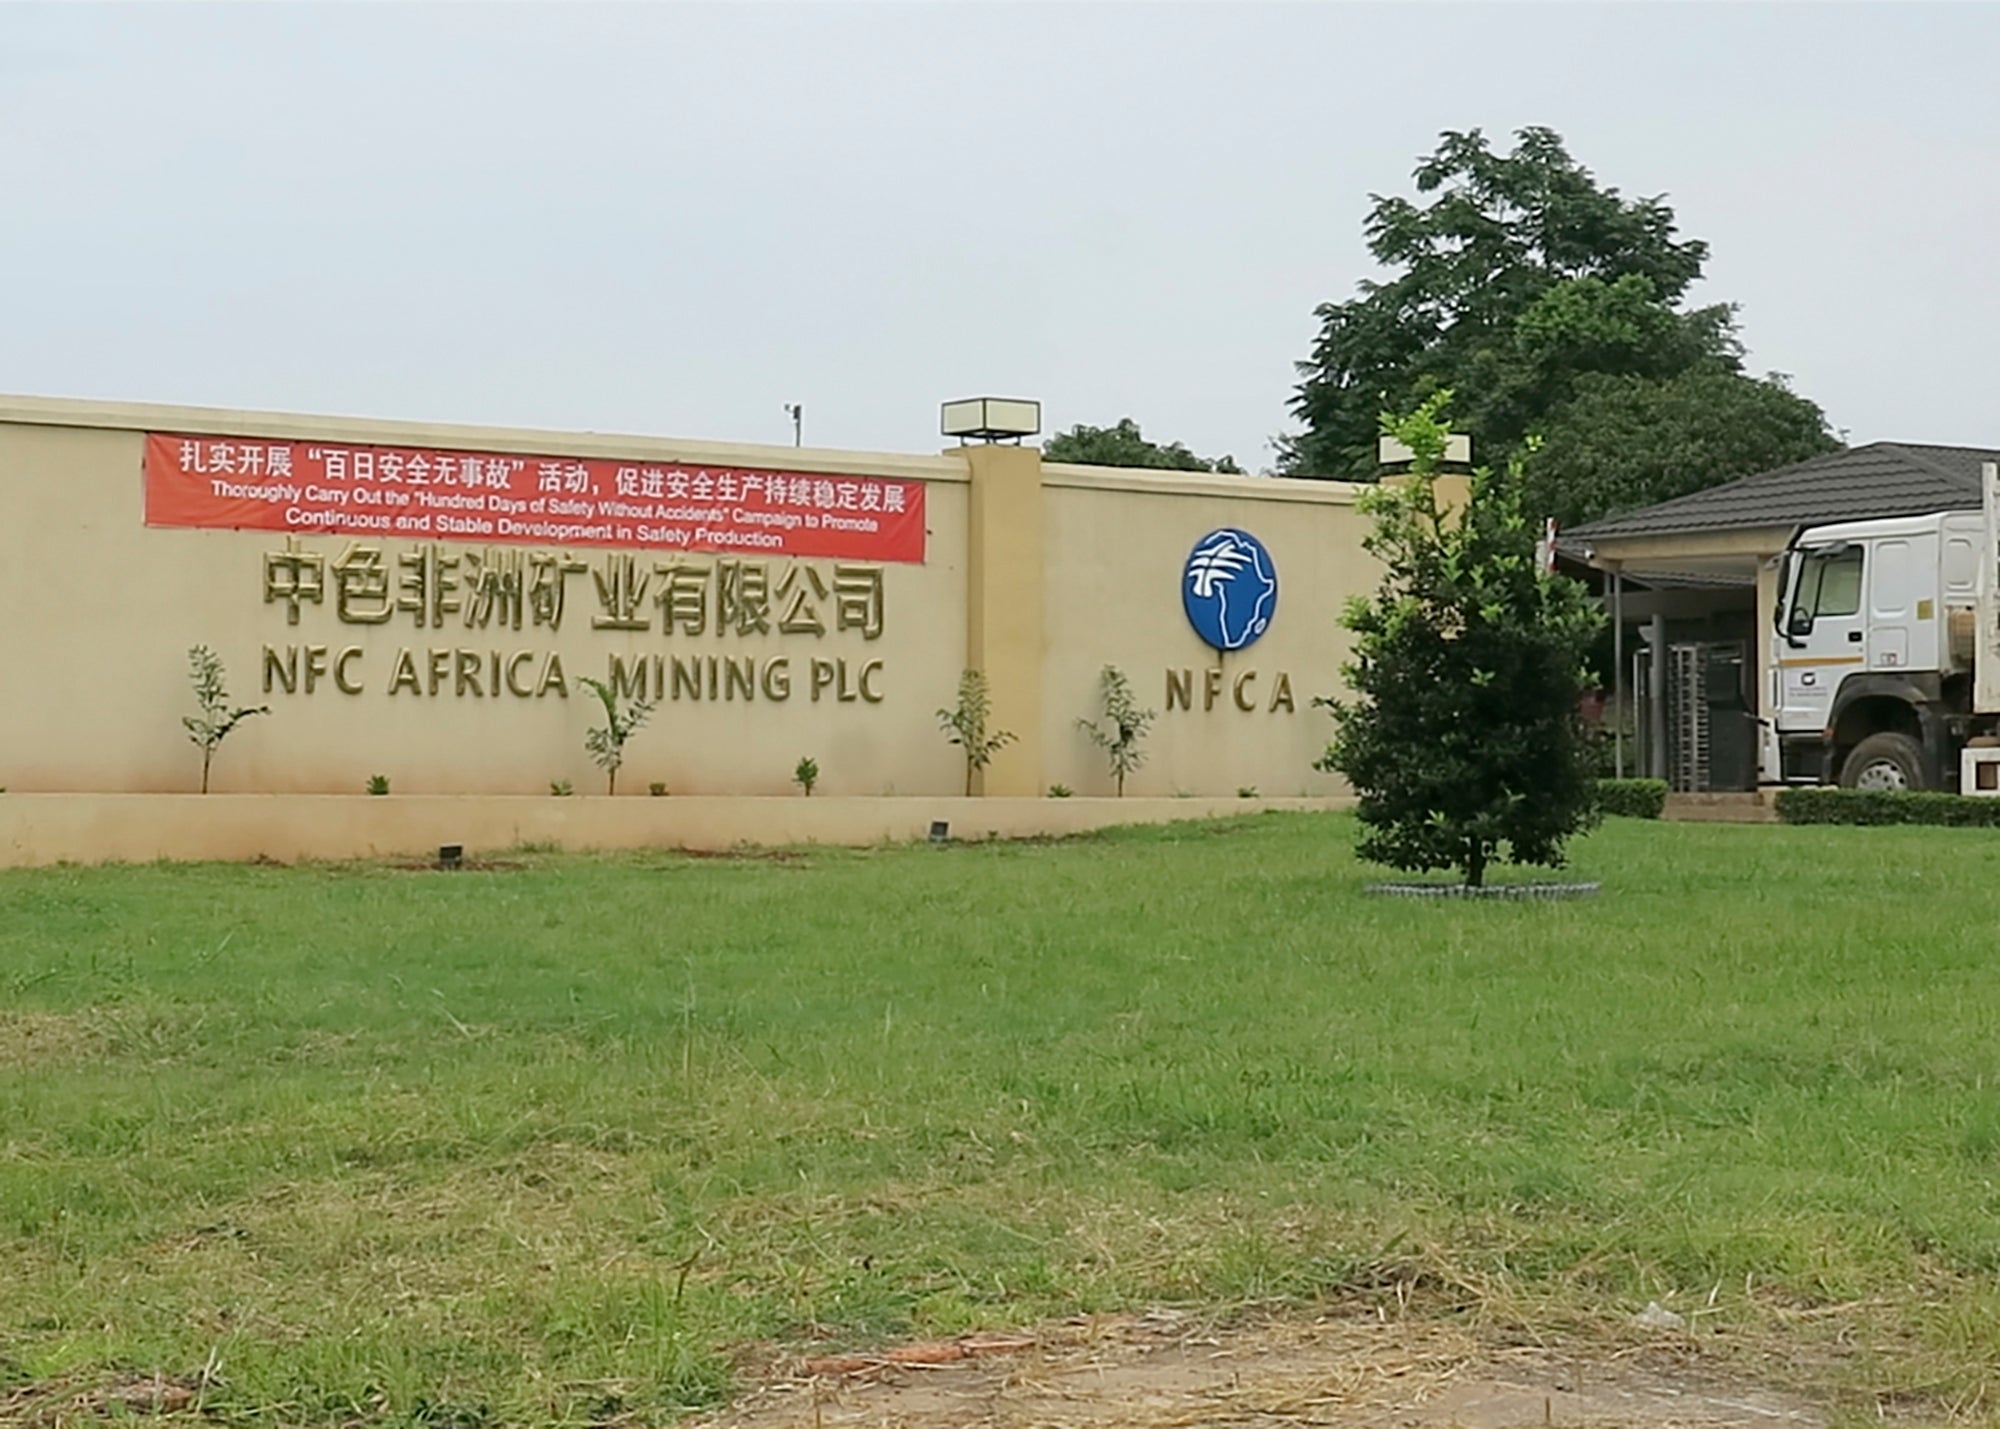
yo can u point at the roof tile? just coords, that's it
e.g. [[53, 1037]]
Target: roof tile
[[1880, 479]]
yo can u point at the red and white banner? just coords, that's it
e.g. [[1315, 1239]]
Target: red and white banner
[[340, 490]]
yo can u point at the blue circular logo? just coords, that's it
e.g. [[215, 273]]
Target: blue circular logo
[[1229, 588]]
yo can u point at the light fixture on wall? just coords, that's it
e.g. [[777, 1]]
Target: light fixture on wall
[[1457, 454], [990, 419]]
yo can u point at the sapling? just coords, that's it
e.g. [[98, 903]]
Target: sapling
[[208, 729], [606, 742], [1124, 726], [965, 725]]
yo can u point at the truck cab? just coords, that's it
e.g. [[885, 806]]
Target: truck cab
[[1872, 651]]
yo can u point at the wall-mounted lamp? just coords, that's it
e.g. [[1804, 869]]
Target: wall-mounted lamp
[[1457, 452], [990, 419]]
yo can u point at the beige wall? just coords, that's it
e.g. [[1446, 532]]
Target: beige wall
[[1043, 574], [1115, 545], [102, 610]]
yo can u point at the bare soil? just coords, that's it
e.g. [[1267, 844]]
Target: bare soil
[[1160, 1371]]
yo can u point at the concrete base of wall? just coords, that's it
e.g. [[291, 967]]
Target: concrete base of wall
[[40, 829]]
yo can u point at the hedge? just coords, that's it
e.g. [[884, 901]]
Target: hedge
[[1632, 798], [1886, 806]]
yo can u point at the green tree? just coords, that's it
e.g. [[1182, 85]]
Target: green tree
[[1515, 281], [1580, 329], [1463, 738], [1124, 445], [606, 743], [1625, 442], [964, 725], [218, 717], [1124, 726]]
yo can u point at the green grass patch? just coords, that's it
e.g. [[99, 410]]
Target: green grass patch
[[540, 1144]]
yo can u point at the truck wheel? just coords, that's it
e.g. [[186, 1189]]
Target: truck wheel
[[1884, 761]]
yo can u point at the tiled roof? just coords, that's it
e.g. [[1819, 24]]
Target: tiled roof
[[1880, 479]]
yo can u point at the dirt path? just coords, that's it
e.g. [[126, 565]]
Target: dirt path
[[1160, 1372]]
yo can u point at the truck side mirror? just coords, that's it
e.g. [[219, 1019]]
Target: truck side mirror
[[1801, 624]]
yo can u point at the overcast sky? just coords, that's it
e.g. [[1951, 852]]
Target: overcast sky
[[674, 219]]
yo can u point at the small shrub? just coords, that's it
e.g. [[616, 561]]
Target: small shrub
[[1056, 791], [965, 725], [805, 774], [1886, 806], [208, 729], [657, 790], [1124, 727], [1632, 798], [560, 788], [606, 743], [378, 783], [1601, 746]]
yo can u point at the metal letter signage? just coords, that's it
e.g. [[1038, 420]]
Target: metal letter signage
[[1229, 588]]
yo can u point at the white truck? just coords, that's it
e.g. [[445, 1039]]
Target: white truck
[[1885, 656]]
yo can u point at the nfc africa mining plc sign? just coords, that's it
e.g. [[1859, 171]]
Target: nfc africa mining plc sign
[[472, 555], [686, 552]]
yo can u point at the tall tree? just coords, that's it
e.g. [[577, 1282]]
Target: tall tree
[[1625, 442], [1517, 281], [1125, 445]]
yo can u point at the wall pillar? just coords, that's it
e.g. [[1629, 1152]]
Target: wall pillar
[[1003, 608], [1452, 491]]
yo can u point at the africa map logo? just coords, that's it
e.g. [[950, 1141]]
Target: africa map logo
[[1229, 588]]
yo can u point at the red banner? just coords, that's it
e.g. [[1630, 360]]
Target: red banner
[[338, 490]]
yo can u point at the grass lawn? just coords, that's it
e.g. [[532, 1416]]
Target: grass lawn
[[542, 1144]]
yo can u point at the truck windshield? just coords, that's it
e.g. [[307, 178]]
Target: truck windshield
[[1829, 584]]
